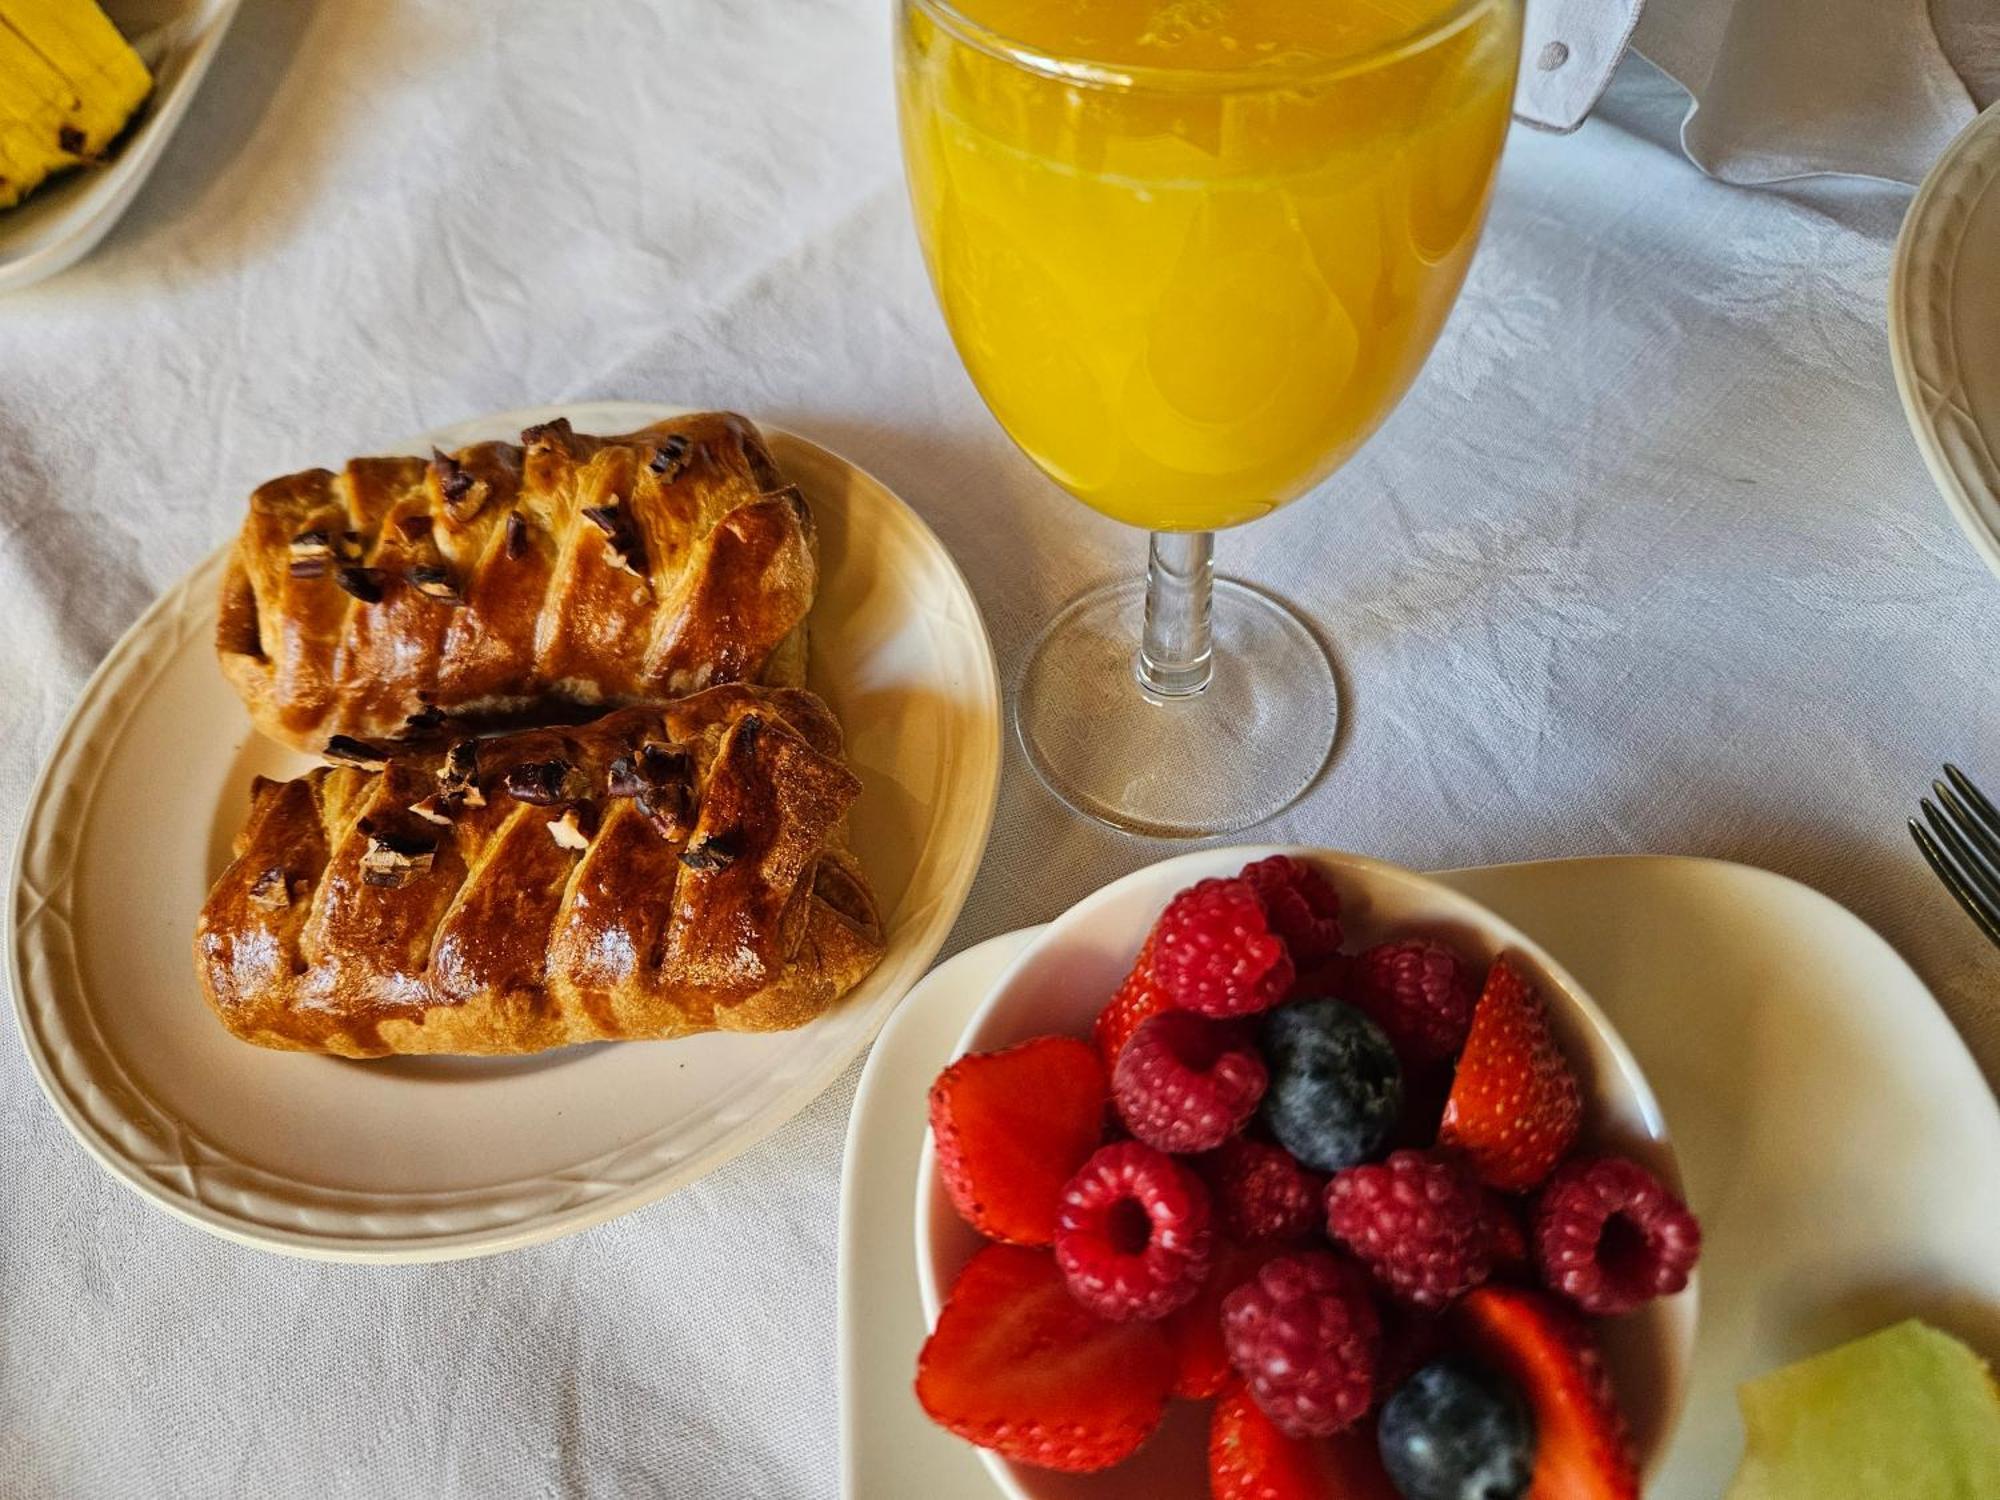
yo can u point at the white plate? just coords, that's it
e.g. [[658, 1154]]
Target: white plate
[[61, 223], [1832, 1130], [433, 1158], [1944, 327]]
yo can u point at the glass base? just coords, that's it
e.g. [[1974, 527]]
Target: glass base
[[1235, 753]]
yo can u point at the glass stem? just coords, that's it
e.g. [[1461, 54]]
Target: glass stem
[[1175, 660]]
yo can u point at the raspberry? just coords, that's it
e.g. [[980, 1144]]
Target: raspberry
[[1215, 954], [1132, 1233], [1419, 1222], [1304, 1335], [1139, 997], [1608, 1235], [1185, 1084], [1261, 1193], [1420, 992], [1301, 905]]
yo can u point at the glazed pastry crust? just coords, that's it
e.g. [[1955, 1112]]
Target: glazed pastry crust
[[657, 872], [403, 598]]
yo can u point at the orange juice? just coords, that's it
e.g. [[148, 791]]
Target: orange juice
[[1193, 251]]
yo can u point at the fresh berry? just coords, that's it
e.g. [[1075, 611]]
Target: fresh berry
[[1132, 1233], [1514, 1108], [1261, 1194], [1419, 991], [1609, 1235], [1457, 1431], [1581, 1448], [1201, 1359], [1418, 1221], [1012, 1127], [1336, 1088], [1015, 1364], [1139, 997], [1250, 1459], [1215, 953], [1301, 905], [1304, 1335], [1184, 1083]]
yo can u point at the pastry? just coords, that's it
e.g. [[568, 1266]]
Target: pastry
[[406, 599], [69, 84], [659, 871]]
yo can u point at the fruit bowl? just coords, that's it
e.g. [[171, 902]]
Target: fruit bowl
[[1061, 982]]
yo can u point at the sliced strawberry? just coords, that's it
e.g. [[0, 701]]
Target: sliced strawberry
[[1138, 1000], [1012, 1127], [1249, 1459], [1514, 1107], [1201, 1362], [1018, 1365], [1582, 1451]]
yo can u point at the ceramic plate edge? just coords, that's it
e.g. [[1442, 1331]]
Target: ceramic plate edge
[[1918, 229], [133, 165]]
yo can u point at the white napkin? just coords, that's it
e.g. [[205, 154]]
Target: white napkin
[[1778, 88]]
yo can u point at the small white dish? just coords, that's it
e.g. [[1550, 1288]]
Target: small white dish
[[60, 223], [404, 1159], [1060, 982], [1944, 328], [1825, 1113]]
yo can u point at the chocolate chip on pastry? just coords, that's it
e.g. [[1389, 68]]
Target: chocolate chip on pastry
[[348, 751]]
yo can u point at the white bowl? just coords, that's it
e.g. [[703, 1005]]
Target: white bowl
[[1062, 981]]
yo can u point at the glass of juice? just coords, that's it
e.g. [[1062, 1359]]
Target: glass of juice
[[1192, 253]]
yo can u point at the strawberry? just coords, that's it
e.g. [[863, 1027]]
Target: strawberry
[[1581, 1448], [1012, 1127], [1249, 1459], [1138, 1000], [1201, 1362], [1018, 1365], [1514, 1107]]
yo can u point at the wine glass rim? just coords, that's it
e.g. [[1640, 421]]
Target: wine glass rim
[[1096, 73]]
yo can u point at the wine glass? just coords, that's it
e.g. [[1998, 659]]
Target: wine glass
[[1192, 252]]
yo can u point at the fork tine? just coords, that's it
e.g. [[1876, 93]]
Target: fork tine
[[1974, 798], [1978, 873], [1985, 842], [1988, 919]]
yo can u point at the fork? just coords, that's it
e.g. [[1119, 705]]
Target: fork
[[1962, 845]]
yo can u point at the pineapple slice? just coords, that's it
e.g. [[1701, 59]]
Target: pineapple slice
[[1908, 1413], [69, 83]]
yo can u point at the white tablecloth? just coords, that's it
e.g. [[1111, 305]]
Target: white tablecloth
[[1646, 562]]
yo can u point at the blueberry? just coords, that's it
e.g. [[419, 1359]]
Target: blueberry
[[1336, 1089], [1455, 1431]]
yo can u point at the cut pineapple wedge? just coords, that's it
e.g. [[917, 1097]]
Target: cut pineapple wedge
[[68, 85], [1905, 1414]]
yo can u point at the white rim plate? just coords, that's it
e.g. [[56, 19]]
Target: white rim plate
[[61, 223], [1826, 1119], [436, 1158], [1944, 328]]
